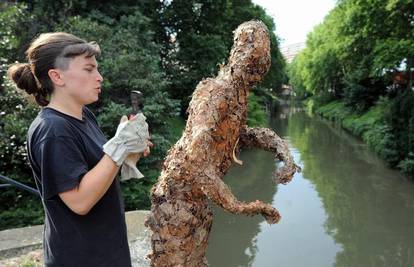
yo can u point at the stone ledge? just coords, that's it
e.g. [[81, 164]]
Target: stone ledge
[[20, 241]]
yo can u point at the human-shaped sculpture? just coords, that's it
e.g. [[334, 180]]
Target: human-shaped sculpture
[[216, 129]]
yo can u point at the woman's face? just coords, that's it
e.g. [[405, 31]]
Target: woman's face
[[82, 80]]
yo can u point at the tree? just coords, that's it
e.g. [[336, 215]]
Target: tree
[[196, 36]]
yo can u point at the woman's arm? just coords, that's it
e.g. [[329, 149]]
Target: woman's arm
[[128, 139], [92, 187]]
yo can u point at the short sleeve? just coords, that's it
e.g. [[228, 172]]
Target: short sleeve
[[61, 163]]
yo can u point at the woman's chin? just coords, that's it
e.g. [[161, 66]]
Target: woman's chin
[[91, 101]]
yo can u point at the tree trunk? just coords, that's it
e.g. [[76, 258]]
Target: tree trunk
[[216, 129], [410, 65]]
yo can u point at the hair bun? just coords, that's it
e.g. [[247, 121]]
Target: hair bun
[[22, 76]]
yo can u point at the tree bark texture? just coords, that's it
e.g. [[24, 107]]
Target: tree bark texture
[[216, 129]]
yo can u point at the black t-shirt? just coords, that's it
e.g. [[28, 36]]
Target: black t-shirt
[[61, 149]]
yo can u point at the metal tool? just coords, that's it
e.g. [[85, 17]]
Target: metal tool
[[136, 102]]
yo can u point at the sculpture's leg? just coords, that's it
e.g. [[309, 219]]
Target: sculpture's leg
[[180, 232]]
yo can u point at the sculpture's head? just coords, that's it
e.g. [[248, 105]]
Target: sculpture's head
[[250, 55]]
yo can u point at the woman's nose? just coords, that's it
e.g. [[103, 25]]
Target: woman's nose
[[99, 78]]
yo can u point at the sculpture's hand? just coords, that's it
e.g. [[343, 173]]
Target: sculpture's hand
[[220, 193]]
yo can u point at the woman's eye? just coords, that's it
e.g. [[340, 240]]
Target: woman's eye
[[88, 70]]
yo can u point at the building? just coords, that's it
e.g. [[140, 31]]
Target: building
[[290, 51]]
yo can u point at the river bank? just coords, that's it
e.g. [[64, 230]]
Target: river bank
[[372, 127]]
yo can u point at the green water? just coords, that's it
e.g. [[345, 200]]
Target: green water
[[346, 208]]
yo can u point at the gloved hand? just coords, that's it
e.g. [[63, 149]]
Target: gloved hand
[[129, 169], [131, 137]]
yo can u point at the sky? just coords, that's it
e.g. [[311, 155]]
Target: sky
[[294, 19]]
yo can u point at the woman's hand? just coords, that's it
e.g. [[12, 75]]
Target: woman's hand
[[129, 167], [130, 137], [148, 149]]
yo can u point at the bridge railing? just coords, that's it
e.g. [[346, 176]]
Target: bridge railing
[[11, 182]]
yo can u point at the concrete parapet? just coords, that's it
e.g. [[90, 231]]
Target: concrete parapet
[[20, 241]]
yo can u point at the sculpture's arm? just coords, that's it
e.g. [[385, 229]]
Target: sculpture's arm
[[215, 189], [267, 139]]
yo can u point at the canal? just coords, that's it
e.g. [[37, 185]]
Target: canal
[[346, 208]]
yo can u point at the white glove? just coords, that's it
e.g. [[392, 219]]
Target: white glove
[[129, 167], [131, 137]]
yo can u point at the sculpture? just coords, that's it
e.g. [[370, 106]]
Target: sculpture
[[216, 129]]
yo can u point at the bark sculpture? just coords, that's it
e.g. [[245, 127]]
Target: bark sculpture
[[216, 129]]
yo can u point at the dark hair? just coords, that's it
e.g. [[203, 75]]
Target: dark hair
[[48, 51]]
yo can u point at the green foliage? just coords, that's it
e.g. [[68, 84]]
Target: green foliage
[[138, 191], [362, 94], [202, 34], [26, 210], [352, 56], [13, 24], [176, 126], [15, 117], [376, 129], [362, 123], [401, 119], [407, 165], [320, 100], [335, 111], [390, 53], [381, 140], [256, 114], [109, 115], [296, 79]]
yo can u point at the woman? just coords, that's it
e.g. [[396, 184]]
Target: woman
[[74, 166]]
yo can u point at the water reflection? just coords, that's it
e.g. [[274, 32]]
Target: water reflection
[[345, 209], [233, 238], [370, 208]]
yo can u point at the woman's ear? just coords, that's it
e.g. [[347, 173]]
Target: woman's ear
[[55, 77]]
